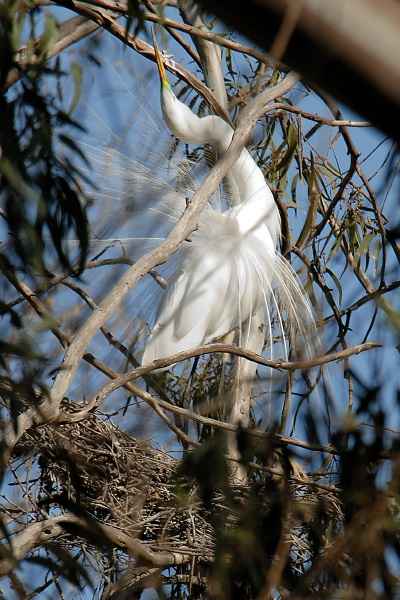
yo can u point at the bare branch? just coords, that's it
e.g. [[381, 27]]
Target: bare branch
[[317, 118], [37, 533], [71, 31], [226, 348]]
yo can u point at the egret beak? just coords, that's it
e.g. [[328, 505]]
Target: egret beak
[[160, 64]]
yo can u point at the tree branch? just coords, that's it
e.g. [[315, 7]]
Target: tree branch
[[37, 534], [228, 349], [357, 46]]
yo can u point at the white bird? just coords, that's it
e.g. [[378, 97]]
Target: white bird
[[226, 274]]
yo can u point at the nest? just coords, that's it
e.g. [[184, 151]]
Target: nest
[[122, 482], [133, 488]]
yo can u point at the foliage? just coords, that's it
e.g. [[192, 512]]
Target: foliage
[[86, 501], [39, 184]]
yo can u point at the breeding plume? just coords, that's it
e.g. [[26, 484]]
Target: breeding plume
[[229, 269]]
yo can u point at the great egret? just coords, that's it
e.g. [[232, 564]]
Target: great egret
[[227, 273]]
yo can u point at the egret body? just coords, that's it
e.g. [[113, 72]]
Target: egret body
[[226, 274]]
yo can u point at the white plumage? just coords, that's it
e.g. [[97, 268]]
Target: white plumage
[[225, 275]]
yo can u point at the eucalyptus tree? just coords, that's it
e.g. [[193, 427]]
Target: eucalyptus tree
[[99, 205]]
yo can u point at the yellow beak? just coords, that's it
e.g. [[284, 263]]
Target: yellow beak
[[160, 64]]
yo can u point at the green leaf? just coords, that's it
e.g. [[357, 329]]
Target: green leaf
[[65, 139], [17, 28], [49, 37], [76, 71], [351, 228], [135, 13], [292, 141], [375, 254], [337, 283], [314, 193], [293, 188], [313, 130], [335, 246], [364, 246]]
